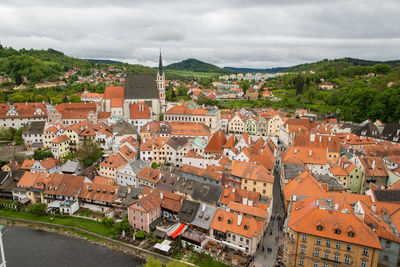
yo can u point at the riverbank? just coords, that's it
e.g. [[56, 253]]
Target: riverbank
[[97, 239]]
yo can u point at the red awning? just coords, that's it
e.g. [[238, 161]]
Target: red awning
[[178, 231]]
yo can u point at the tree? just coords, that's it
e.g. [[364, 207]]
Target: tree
[[75, 99], [175, 264], [245, 86], [37, 209], [382, 68], [42, 154], [89, 152]]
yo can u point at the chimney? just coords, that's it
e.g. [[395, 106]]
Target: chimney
[[244, 201], [320, 138], [310, 152], [250, 203], [203, 207], [295, 151], [233, 190], [348, 137], [373, 164], [329, 139], [239, 219], [336, 206]]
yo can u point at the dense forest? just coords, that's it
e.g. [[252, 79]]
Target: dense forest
[[195, 65]]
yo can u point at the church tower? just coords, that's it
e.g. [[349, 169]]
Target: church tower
[[161, 85]]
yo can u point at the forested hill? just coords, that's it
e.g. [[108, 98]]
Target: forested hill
[[254, 70], [47, 65], [339, 64], [195, 65]]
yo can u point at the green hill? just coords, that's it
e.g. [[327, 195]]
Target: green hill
[[195, 65], [339, 64], [254, 70]]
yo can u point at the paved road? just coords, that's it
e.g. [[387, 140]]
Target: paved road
[[264, 258]]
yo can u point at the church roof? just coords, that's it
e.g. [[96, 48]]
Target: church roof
[[160, 66], [140, 86]]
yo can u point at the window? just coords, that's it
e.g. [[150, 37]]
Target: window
[[388, 243], [347, 259], [315, 264], [255, 183], [338, 245], [318, 241], [319, 227], [336, 257], [348, 247], [350, 234], [337, 231], [365, 252], [304, 238], [316, 252], [325, 265], [328, 243], [303, 249], [326, 254], [363, 263]]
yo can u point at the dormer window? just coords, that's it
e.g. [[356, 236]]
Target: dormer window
[[219, 218], [337, 231], [319, 227], [229, 222], [246, 227], [350, 234]]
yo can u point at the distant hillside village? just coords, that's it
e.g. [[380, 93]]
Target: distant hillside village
[[204, 177]]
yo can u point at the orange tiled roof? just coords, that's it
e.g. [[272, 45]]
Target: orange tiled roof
[[99, 192], [27, 164], [216, 143], [60, 139], [237, 195], [185, 110], [150, 174], [114, 161], [305, 185], [114, 92], [25, 110], [338, 171], [373, 166], [252, 171], [257, 210], [305, 216], [201, 172], [139, 111], [225, 221]]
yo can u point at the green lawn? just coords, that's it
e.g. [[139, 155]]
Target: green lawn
[[88, 225]]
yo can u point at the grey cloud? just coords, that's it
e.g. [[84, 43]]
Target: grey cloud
[[229, 32]]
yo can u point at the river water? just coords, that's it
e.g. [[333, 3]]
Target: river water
[[28, 247]]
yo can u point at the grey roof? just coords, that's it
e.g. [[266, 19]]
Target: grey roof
[[71, 167], [34, 127], [387, 195], [354, 128], [160, 66], [204, 216], [167, 182], [140, 86], [332, 183], [177, 142], [205, 192], [188, 211], [124, 128], [90, 172], [7, 184], [185, 186], [368, 129], [390, 132], [293, 170], [138, 165]]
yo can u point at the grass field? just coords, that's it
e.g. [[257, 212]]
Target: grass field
[[88, 225], [187, 73]]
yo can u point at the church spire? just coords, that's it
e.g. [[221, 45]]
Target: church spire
[[160, 66]]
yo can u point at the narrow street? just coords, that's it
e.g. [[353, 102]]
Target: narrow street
[[265, 258]]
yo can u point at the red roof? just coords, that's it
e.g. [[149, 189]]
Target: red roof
[[114, 92], [216, 143], [139, 111]]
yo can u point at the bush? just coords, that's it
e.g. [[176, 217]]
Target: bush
[[140, 234], [107, 221], [38, 209], [42, 154]]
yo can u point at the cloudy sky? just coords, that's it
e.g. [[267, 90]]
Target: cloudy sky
[[247, 33]]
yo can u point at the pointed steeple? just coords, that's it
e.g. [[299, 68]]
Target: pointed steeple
[[160, 66]]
